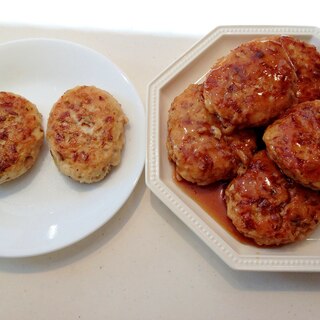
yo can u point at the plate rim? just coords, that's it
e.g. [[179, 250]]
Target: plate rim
[[141, 160], [171, 200]]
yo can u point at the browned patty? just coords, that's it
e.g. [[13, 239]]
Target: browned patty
[[86, 134], [21, 135], [306, 62], [268, 207], [196, 144], [252, 85], [293, 142]]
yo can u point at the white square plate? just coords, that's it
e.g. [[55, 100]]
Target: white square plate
[[192, 66]]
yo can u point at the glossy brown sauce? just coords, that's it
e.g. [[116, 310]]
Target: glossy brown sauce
[[211, 199]]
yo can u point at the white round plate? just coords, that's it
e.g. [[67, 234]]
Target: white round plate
[[43, 210]]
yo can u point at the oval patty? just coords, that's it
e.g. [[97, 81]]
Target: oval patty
[[266, 206], [252, 85], [202, 153], [85, 133], [293, 144], [21, 135]]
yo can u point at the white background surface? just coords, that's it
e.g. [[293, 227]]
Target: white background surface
[[144, 263], [166, 16]]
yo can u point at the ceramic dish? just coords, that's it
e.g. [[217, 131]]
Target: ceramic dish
[[192, 66], [43, 210]]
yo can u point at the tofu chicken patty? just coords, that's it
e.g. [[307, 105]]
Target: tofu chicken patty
[[306, 62], [196, 144], [270, 208], [86, 133], [21, 135], [293, 142], [252, 85]]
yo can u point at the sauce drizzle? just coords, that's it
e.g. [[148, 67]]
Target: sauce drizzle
[[211, 199]]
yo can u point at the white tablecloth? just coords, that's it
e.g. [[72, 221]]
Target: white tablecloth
[[144, 263]]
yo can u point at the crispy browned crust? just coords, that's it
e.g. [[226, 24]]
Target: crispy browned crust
[[268, 207], [306, 62], [252, 85], [202, 153], [85, 133], [21, 135], [293, 143]]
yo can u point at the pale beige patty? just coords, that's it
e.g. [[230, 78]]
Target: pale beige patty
[[85, 133], [21, 135]]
